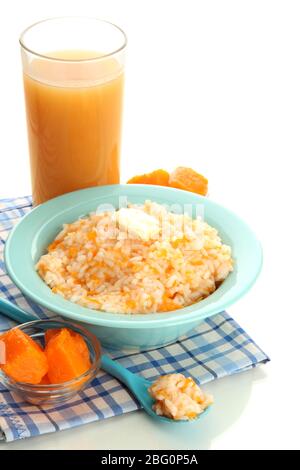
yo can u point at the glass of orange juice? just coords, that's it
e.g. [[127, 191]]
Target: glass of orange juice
[[73, 80]]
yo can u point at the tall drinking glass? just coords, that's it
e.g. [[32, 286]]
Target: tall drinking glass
[[73, 80]]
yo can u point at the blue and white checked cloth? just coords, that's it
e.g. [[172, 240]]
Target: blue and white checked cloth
[[218, 347]]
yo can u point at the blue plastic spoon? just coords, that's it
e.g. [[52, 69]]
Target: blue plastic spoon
[[135, 383]]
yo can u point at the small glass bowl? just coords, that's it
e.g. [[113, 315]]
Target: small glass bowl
[[53, 394]]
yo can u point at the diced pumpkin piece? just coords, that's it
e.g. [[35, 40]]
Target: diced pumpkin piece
[[25, 360], [168, 305], [157, 177], [54, 245], [50, 333], [189, 180], [80, 345], [67, 357], [45, 380]]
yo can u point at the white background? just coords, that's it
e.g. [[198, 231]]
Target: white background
[[214, 85]]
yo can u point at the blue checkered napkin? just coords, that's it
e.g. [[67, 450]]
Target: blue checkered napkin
[[218, 347]]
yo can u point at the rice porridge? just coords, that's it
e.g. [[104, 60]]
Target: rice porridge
[[178, 397], [140, 259]]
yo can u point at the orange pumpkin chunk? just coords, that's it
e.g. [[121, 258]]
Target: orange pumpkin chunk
[[50, 334], [68, 356], [80, 343], [168, 305], [45, 380], [157, 177], [189, 180], [25, 359]]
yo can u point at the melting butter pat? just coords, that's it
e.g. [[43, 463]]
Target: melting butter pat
[[138, 224]]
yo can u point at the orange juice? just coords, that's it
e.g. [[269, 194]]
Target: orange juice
[[74, 107]]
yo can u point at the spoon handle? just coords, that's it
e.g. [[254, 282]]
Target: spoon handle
[[15, 313], [116, 370]]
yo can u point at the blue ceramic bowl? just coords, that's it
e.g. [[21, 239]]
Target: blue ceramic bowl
[[29, 239]]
